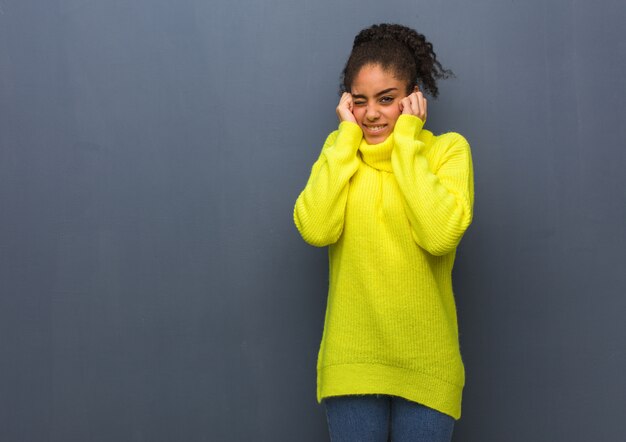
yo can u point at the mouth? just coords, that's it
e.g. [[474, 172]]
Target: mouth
[[374, 129]]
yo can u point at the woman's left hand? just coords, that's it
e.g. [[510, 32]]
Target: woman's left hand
[[415, 104]]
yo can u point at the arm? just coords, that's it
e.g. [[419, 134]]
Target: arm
[[439, 204], [319, 210]]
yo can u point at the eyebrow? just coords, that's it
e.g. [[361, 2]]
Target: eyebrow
[[386, 91]]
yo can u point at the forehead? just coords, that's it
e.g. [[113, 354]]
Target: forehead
[[372, 78]]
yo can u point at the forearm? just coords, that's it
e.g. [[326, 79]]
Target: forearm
[[439, 205], [320, 207]]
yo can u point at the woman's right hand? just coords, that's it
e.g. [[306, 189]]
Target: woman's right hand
[[344, 108]]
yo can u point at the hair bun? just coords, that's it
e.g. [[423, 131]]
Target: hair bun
[[400, 46], [385, 31]]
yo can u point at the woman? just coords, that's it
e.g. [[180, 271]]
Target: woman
[[391, 200]]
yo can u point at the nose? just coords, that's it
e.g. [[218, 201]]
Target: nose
[[372, 113]]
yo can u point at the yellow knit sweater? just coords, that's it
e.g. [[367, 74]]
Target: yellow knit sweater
[[392, 215]]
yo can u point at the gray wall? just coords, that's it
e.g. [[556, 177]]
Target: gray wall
[[153, 285]]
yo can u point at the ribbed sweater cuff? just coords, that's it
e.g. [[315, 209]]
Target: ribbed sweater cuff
[[408, 126], [350, 134]]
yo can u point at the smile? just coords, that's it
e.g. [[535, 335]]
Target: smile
[[374, 129]]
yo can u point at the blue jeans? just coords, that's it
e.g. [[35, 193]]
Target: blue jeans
[[383, 418]]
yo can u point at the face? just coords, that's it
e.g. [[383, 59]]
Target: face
[[376, 97]]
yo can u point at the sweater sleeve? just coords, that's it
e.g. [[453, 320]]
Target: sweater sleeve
[[439, 204], [320, 207]]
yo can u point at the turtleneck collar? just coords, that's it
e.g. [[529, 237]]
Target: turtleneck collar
[[378, 155]]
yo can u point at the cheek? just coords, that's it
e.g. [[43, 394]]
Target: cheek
[[393, 113], [358, 112]]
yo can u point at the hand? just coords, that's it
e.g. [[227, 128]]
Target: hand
[[414, 104], [344, 108]]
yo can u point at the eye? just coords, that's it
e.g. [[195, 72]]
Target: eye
[[386, 99], [359, 103]]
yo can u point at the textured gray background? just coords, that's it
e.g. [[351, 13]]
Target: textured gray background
[[153, 285]]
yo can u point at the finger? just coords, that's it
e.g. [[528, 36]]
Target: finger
[[349, 103], [344, 101], [421, 105], [344, 108], [406, 105], [415, 107]]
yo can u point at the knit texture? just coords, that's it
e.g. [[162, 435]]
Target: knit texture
[[392, 215]]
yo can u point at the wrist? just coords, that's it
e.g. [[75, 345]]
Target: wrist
[[349, 132], [408, 125]]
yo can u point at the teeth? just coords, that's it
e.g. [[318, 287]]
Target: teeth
[[375, 128]]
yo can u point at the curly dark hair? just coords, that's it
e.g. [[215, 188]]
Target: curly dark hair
[[400, 49]]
